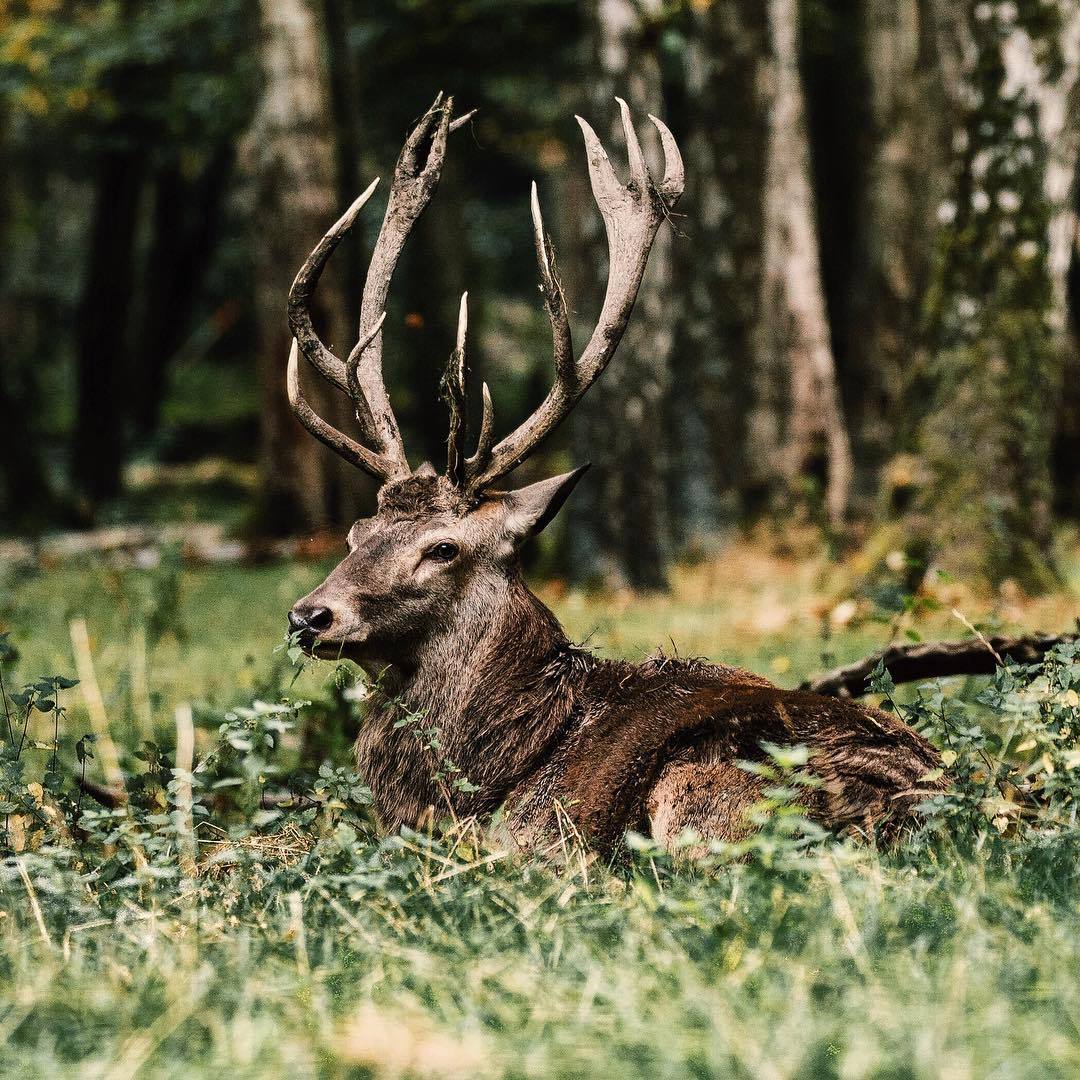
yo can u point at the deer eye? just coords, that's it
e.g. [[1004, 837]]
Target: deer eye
[[444, 552]]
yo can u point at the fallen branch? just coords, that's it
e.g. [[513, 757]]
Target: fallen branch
[[109, 797], [934, 660]]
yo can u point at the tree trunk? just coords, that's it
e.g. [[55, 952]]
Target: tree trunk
[[186, 217], [295, 201], [1061, 125], [620, 524], [907, 179], [717, 268], [996, 319], [804, 436], [102, 327], [24, 492]]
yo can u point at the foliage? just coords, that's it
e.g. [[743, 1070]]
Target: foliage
[[294, 939], [93, 91], [172, 70]]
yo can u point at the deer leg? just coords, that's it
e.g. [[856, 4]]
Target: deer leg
[[710, 797]]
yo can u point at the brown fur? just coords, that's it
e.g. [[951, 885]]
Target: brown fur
[[561, 737]]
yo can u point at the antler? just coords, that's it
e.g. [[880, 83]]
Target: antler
[[632, 215], [415, 181]]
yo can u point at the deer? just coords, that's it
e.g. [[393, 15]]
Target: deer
[[431, 603]]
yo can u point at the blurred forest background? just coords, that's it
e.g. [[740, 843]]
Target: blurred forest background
[[864, 318]]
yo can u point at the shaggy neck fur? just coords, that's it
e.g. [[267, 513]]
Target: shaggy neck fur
[[495, 688]]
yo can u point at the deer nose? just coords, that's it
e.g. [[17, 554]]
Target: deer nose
[[316, 619]]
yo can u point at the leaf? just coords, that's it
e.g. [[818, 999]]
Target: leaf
[[880, 681]]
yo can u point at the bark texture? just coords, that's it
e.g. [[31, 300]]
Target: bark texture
[[907, 176], [291, 163], [935, 660], [798, 422], [102, 356], [996, 304]]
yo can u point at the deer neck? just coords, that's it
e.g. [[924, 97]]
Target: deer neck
[[483, 702]]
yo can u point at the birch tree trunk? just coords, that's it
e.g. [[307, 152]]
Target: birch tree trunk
[[619, 520], [291, 161], [795, 350], [997, 304]]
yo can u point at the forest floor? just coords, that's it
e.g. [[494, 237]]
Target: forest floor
[[269, 943]]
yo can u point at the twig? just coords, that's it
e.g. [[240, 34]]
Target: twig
[[978, 633], [7, 707], [934, 660], [35, 907], [114, 797]]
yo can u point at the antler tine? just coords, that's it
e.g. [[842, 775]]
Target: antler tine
[[632, 215], [415, 181], [363, 410], [639, 173], [454, 390], [605, 184], [482, 455], [461, 121], [671, 187], [554, 301], [303, 287], [374, 464]]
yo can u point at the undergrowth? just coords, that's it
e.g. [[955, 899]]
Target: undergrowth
[[226, 911]]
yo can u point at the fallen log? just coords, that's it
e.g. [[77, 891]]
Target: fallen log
[[935, 660], [110, 797]]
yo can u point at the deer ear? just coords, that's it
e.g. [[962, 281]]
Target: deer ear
[[530, 508]]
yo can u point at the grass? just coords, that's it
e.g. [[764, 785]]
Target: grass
[[218, 625], [325, 950]]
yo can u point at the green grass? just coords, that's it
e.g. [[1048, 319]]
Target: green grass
[[220, 625], [841, 964], [955, 956]]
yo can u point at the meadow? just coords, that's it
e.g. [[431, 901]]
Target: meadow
[[202, 929]]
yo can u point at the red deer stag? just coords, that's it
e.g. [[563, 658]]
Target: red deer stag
[[430, 600]]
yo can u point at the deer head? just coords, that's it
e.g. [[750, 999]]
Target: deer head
[[443, 548]]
